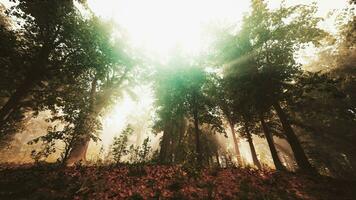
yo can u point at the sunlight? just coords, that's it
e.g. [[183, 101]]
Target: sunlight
[[125, 112], [159, 26]]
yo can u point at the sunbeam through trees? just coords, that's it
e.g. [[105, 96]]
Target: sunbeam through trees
[[250, 99]]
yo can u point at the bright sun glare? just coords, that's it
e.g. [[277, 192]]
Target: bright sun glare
[[158, 26]]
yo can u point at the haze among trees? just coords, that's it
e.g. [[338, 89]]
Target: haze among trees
[[245, 103]]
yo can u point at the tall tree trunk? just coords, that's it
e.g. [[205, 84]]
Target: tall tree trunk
[[284, 150], [217, 158], [182, 127], [79, 151], [66, 152], [298, 151], [277, 162], [252, 148], [80, 146], [236, 144], [170, 154], [164, 144], [181, 132], [197, 134]]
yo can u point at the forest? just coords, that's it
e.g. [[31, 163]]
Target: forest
[[170, 100]]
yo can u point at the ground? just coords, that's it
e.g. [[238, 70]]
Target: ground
[[165, 182]]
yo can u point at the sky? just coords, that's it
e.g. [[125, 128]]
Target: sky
[[160, 25], [157, 26]]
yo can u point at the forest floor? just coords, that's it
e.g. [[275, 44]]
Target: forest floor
[[165, 182]]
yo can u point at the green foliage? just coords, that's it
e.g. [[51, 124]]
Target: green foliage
[[119, 146], [182, 91], [140, 154], [134, 154], [145, 150]]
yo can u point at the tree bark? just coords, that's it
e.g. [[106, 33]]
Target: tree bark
[[79, 151], [164, 145], [217, 158], [298, 151], [277, 162], [81, 144], [181, 130], [80, 147], [252, 148], [236, 144], [197, 134], [284, 150]]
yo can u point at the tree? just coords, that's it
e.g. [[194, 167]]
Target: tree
[[55, 49], [181, 90], [262, 56], [80, 100], [226, 102], [277, 162], [11, 72], [247, 134]]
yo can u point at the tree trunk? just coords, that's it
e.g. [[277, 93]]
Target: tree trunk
[[80, 146], [164, 145], [197, 134], [277, 162], [236, 144], [182, 127], [298, 151], [252, 149], [67, 150], [79, 151], [217, 158], [178, 147], [284, 150]]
